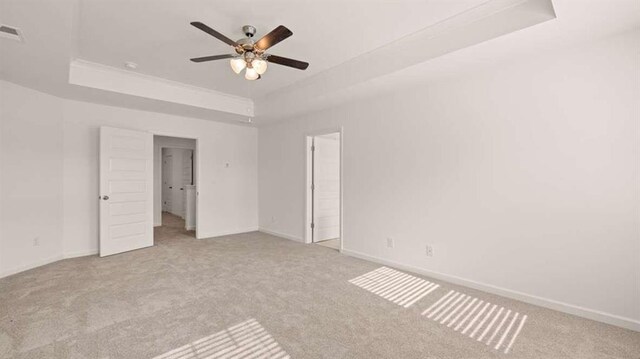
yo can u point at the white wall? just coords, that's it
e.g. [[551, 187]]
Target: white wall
[[49, 162], [228, 196], [31, 179], [158, 143], [524, 179]]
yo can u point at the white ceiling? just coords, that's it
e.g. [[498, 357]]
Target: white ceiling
[[156, 34]]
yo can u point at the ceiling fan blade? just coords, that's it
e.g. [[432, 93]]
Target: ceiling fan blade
[[214, 33], [211, 58], [301, 65], [275, 36]]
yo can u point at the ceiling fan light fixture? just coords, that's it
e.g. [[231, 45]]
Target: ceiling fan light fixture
[[259, 65], [251, 74], [251, 55], [237, 64]]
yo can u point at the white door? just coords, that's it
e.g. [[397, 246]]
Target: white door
[[126, 190], [326, 187]]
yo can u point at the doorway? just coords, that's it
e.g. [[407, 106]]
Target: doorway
[[324, 190], [176, 187], [130, 189]]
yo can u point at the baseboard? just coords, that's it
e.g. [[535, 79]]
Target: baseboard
[[49, 260], [283, 235], [77, 254], [226, 233], [592, 314], [26, 267]]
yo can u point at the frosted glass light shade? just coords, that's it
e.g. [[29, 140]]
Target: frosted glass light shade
[[260, 66], [251, 74], [237, 64]]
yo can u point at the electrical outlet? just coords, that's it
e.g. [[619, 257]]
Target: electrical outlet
[[36, 241], [429, 251], [390, 242]]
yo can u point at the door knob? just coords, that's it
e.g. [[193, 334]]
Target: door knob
[[105, 197]]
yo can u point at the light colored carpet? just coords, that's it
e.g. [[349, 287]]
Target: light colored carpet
[[255, 295], [174, 225], [331, 243]]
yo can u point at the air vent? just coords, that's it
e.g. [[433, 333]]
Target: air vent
[[11, 33]]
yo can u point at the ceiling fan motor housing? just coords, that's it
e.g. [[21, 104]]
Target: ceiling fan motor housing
[[246, 43]]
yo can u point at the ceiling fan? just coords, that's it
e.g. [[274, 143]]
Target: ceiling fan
[[249, 54]]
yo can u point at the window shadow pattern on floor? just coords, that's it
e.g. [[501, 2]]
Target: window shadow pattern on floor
[[398, 287], [486, 323], [246, 340]]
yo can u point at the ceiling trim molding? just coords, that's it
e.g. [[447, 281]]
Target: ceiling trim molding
[[485, 22], [98, 76]]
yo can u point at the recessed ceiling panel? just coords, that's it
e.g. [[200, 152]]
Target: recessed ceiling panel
[[157, 36]]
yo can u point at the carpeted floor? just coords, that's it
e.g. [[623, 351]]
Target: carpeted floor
[[254, 295], [173, 225], [331, 243]]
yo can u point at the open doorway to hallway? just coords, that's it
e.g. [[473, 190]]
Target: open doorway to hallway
[[175, 190], [324, 190]]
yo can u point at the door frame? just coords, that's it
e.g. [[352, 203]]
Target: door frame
[[308, 218], [196, 171]]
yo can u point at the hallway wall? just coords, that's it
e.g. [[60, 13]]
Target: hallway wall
[[160, 142], [176, 175]]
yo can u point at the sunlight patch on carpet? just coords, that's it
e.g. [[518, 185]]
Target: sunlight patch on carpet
[[398, 287], [490, 324], [245, 340]]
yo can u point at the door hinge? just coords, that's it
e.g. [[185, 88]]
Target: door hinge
[[313, 187], [313, 225], [313, 148]]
